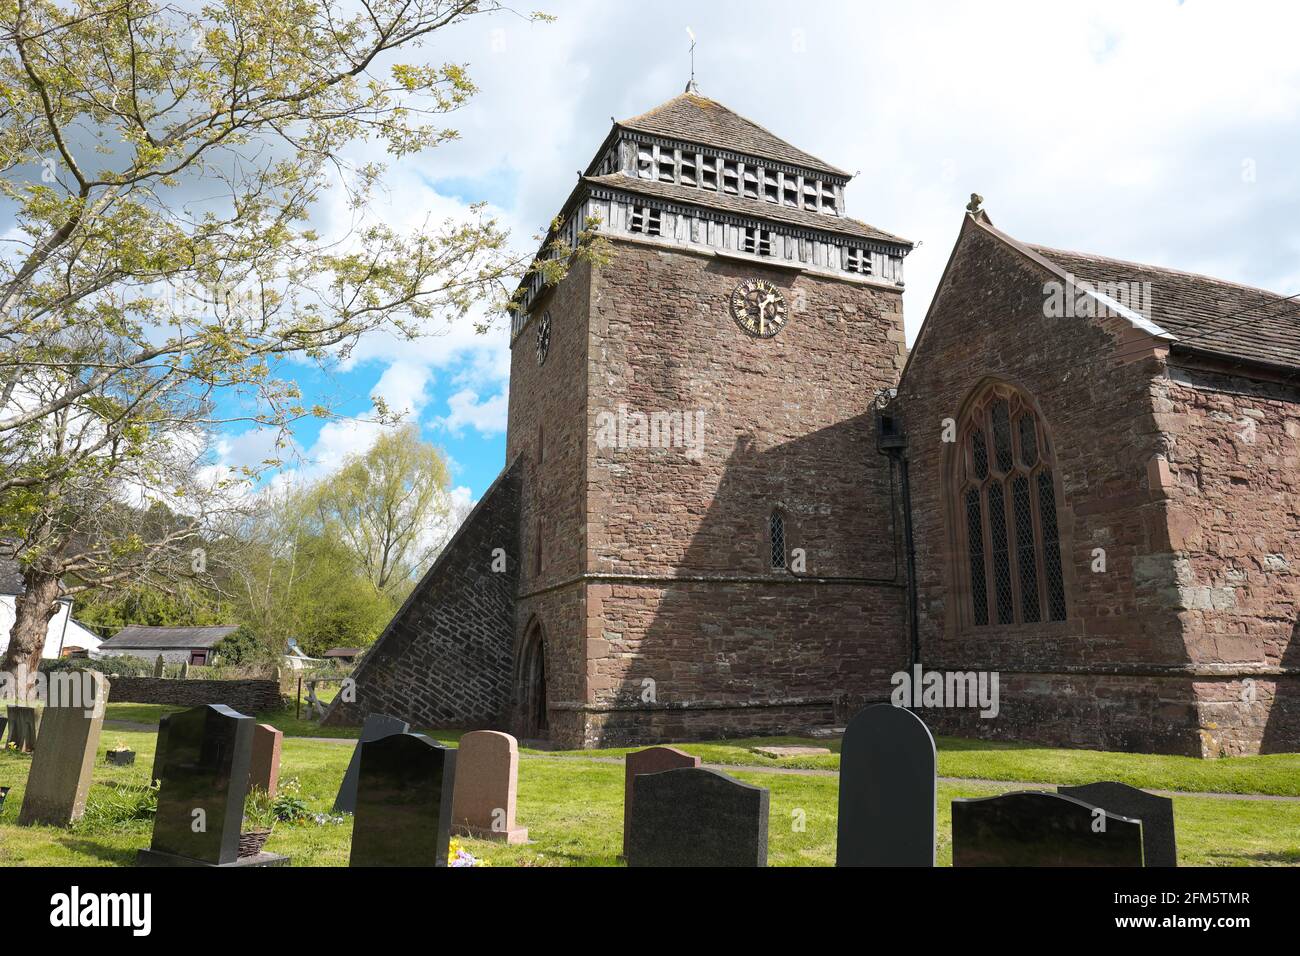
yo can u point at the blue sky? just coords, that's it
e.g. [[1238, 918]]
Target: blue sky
[[1156, 131]]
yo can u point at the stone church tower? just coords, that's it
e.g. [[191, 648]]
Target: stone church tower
[[703, 537]]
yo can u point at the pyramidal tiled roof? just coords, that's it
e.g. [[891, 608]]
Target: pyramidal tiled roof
[[698, 119]]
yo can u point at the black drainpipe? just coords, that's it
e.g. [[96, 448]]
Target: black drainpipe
[[913, 607], [891, 440]]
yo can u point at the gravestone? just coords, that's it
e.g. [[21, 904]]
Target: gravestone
[[264, 764], [696, 817], [887, 790], [159, 666], [204, 783], [4, 722], [405, 786], [62, 767], [24, 727], [160, 748], [1155, 812], [487, 781], [650, 760], [1037, 828], [376, 727]]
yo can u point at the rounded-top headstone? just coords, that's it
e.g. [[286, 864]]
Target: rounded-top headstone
[[487, 780], [888, 781]]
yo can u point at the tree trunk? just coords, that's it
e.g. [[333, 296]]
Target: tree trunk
[[33, 610]]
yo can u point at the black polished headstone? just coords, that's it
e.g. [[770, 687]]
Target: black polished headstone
[[1037, 828], [887, 790], [376, 727], [204, 782], [160, 748], [696, 817], [403, 802], [1155, 812]]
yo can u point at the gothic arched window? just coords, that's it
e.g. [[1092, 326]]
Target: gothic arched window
[[1005, 510]]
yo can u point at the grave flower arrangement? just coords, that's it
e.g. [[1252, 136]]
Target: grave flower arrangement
[[457, 855], [120, 755], [259, 821]]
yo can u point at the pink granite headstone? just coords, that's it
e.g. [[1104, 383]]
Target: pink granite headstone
[[264, 767], [652, 760], [487, 781]]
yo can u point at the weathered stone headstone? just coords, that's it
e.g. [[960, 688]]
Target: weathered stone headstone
[[1036, 828], [264, 765], [650, 760], [405, 786], [4, 722], [376, 727], [888, 780], [62, 766], [158, 666], [487, 781], [160, 749], [204, 783], [697, 817], [1155, 812], [24, 727]]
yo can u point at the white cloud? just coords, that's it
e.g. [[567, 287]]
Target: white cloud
[[487, 417], [404, 386]]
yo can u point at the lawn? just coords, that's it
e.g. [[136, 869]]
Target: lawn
[[573, 805]]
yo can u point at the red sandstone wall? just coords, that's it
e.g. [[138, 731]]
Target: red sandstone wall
[[548, 433], [1115, 674], [786, 425], [1233, 486]]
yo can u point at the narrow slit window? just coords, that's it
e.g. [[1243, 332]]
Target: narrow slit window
[[776, 537]]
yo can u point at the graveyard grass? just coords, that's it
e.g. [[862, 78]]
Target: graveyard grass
[[572, 803]]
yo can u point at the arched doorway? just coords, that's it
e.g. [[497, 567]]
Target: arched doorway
[[533, 721]]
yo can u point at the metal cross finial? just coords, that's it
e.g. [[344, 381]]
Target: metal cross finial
[[691, 87]]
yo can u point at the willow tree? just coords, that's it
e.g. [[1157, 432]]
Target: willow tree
[[161, 165]]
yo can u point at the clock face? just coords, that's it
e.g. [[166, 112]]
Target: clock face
[[759, 308], [543, 337]]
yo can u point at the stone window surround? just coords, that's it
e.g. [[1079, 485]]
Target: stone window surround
[[958, 466]]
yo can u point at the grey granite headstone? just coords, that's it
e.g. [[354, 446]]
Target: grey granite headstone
[[204, 782], [160, 748], [62, 766], [887, 790], [1155, 812], [650, 760], [1037, 828], [376, 727], [696, 817], [24, 727], [405, 788]]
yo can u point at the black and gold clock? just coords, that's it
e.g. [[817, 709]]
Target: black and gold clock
[[543, 337], [759, 308]]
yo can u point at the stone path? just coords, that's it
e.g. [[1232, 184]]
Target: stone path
[[795, 771]]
